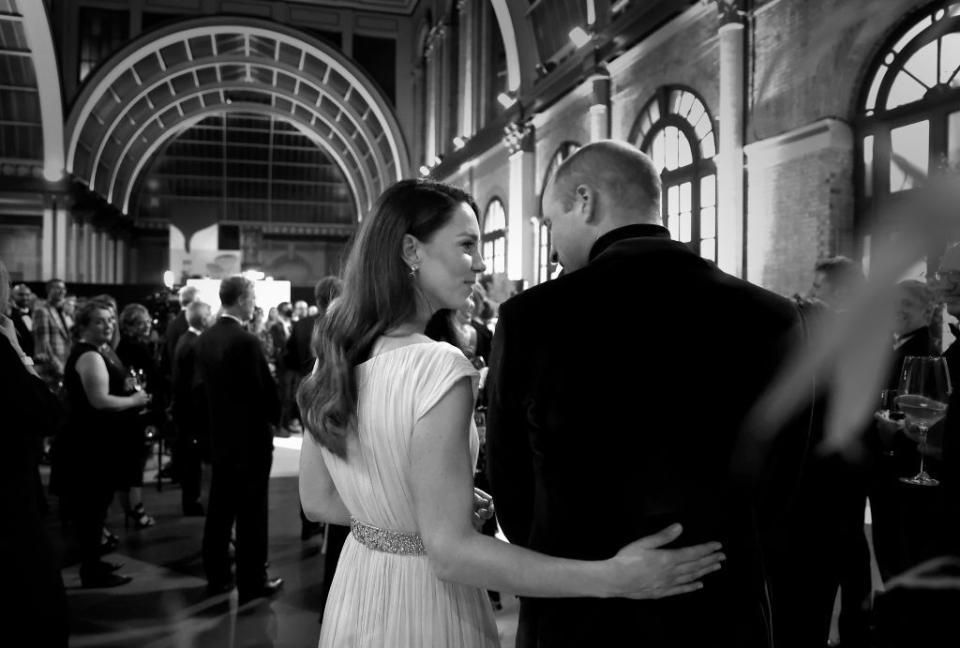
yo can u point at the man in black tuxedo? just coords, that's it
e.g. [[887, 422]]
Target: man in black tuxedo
[[177, 327], [621, 417], [242, 403], [188, 409], [22, 317]]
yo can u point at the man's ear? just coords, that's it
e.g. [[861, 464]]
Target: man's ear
[[586, 201], [410, 251]]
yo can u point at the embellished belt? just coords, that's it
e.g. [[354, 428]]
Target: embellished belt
[[395, 542]]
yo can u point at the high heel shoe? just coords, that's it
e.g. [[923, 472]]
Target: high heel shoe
[[138, 515]]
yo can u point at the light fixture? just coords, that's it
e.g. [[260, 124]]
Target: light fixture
[[579, 36], [424, 170], [507, 99], [459, 142], [253, 275], [436, 161], [168, 279]]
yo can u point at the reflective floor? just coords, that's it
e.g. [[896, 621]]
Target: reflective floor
[[166, 605]]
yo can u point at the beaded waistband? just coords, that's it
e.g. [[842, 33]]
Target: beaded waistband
[[395, 542]]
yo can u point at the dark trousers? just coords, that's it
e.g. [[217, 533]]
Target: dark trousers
[[237, 494], [86, 502], [288, 383], [188, 462]]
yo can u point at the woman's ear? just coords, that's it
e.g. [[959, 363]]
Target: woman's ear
[[410, 251]]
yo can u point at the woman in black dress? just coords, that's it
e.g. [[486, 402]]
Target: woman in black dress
[[136, 353], [86, 460]]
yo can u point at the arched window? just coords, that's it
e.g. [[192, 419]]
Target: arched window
[[495, 237], [545, 269], [909, 122], [676, 131]]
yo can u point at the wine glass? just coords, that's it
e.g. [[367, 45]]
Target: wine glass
[[924, 390], [889, 411]]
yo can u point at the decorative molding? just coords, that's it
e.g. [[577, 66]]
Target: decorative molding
[[729, 12], [819, 136], [519, 136]]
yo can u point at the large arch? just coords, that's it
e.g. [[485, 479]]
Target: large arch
[[518, 42], [169, 78]]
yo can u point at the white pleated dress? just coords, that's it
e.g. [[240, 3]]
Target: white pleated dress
[[381, 599]]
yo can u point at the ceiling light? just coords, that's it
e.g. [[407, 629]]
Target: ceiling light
[[506, 99], [459, 142], [579, 36], [424, 170]]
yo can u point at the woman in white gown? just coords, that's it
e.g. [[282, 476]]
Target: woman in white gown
[[392, 447]]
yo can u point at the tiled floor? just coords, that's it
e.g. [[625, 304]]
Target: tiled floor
[[166, 606]]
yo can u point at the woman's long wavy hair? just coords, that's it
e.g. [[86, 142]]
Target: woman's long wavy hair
[[378, 294]]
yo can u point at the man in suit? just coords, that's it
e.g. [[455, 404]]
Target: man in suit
[[22, 317], [242, 404], [51, 337], [177, 327], [583, 461], [193, 438]]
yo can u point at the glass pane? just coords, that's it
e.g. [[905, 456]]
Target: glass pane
[[708, 222], [673, 201], [708, 249], [686, 103], [671, 147], [654, 111], [708, 190], [707, 148], [868, 165], [950, 59], [904, 90], [703, 126], [953, 139], [696, 112], [912, 144], [923, 64], [875, 87], [686, 156], [685, 222], [674, 103], [658, 156], [916, 29], [685, 197]]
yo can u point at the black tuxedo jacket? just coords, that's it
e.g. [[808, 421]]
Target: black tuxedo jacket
[[950, 467], [620, 418], [189, 405], [177, 327], [298, 355], [24, 335], [241, 395]]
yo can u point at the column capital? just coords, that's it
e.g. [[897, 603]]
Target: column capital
[[461, 5], [730, 12], [518, 136]]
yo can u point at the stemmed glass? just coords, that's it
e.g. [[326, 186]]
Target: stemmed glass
[[924, 390], [888, 410]]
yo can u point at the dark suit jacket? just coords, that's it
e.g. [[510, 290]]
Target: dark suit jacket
[[620, 418], [299, 352], [241, 395], [177, 327], [24, 334], [188, 403], [950, 467]]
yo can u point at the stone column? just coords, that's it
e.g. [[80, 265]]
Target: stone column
[[121, 267], [73, 250], [61, 240], [90, 248], [466, 65], [47, 246], [600, 108], [730, 166], [522, 200], [103, 240]]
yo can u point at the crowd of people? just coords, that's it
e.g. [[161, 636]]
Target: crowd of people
[[608, 418]]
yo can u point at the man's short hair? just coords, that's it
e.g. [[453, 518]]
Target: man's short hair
[[187, 295], [50, 283], [285, 309], [197, 313], [233, 288], [626, 176], [840, 270], [326, 290]]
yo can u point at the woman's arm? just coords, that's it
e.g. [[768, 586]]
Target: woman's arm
[[96, 384], [441, 483], [318, 495]]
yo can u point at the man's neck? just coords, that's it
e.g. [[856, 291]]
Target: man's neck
[[232, 314]]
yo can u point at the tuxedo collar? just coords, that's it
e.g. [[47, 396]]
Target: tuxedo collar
[[627, 232], [228, 316]]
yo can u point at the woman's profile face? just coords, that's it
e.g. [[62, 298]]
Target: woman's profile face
[[450, 260]]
